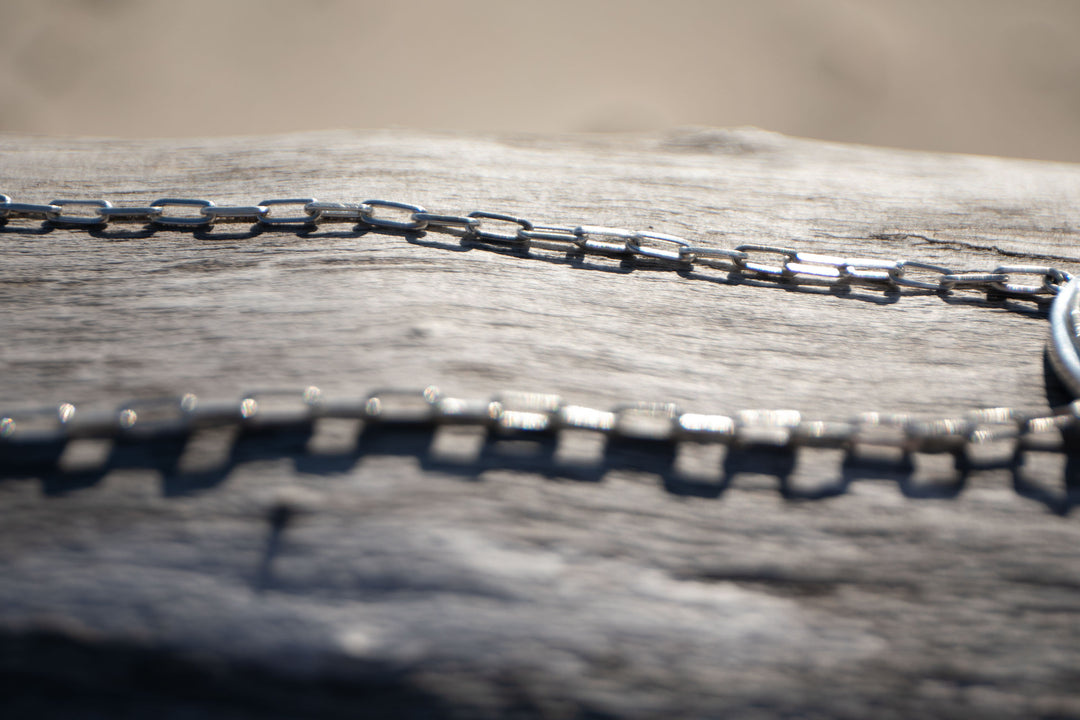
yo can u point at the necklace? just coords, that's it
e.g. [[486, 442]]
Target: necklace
[[35, 436]]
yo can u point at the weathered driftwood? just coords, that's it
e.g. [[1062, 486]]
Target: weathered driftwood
[[431, 576]]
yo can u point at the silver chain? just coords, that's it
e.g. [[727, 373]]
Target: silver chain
[[524, 413], [779, 263]]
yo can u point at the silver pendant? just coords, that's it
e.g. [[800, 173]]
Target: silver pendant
[[1065, 335]]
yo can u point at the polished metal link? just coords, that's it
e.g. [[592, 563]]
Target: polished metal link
[[551, 235], [905, 278], [526, 412], [396, 405], [182, 220], [324, 212], [157, 416], [270, 219], [604, 239], [9, 209], [840, 268], [39, 424], [143, 214], [750, 262], [940, 435], [467, 411], [60, 218], [1050, 279], [479, 232], [766, 427], [722, 258], [578, 417], [706, 428], [659, 246], [367, 215], [234, 213], [646, 421], [973, 279], [445, 223], [875, 429], [823, 434], [816, 265], [275, 407]]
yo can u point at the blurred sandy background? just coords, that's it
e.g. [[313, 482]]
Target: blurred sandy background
[[983, 76]]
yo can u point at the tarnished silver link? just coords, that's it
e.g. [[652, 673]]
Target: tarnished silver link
[[234, 213], [368, 215], [660, 246], [749, 263], [596, 238], [309, 217], [97, 218], [181, 220], [480, 233]]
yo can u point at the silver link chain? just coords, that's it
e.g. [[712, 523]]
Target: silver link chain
[[767, 261], [515, 413], [151, 418]]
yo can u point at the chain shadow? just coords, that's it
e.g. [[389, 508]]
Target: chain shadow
[[6, 228], [469, 455]]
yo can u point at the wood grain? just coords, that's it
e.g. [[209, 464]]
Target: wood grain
[[453, 575]]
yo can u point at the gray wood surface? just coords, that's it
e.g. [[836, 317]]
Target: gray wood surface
[[449, 575]]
